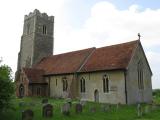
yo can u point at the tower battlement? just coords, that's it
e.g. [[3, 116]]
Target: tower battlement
[[38, 13], [37, 38]]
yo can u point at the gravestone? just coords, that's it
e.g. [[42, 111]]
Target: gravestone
[[93, 109], [27, 115], [147, 109], [32, 104], [65, 109], [139, 110], [44, 101], [78, 108], [83, 102], [154, 107], [22, 104], [104, 107], [69, 100], [117, 106], [47, 110]]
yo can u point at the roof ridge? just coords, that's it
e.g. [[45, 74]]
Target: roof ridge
[[86, 59], [119, 44], [73, 51]]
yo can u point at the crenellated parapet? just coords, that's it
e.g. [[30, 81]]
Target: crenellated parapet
[[38, 13]]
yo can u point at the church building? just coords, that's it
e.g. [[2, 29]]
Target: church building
[[111, 74]]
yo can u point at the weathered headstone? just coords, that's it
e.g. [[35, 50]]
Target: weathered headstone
[[147, 109], [27, 115], [32, 104], [47, 110], [78, 108], [69, 100], [154, 107], [139, 110], [83, 102], [93, 109], [104, 107], [44, 101], [65, 109], [118, 105], [22, 104]]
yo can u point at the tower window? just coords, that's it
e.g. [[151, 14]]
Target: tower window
[[44, 30], [82, 85], [105, 84], [28, 28], [65, 83], [140, 75]]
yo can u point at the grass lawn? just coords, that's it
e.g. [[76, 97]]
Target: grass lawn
[[124, 112]]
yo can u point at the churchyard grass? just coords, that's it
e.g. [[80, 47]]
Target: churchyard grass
[[123, 112]]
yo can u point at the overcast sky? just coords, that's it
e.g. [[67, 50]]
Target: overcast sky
[[81, 24]]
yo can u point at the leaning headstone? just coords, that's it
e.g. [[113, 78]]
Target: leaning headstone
[[93, 109], [27, 115], [83, 102], [47, 110], [44, 101], [69, 100], [139, 110], [104, 107], [78, 108], [65, 109], [22, 104]]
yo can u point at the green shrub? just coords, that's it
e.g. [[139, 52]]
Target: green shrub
[[6, 87]]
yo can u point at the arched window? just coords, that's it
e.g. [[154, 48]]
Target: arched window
[[82, 85], [38, 91], [44, 30], [140, 75], [65, 83], [56, 82], [105, 84]]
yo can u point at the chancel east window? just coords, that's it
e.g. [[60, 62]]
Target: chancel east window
[[140, 75], [65, 83], [82, 85], [105, 84], [44, 30]]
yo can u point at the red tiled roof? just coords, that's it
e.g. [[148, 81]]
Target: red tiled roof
[[34, 75], [110, 57], [64, 63]]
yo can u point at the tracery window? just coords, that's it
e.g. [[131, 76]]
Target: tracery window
[[82, 85], [140, 75], [105, 83], [65, 83]]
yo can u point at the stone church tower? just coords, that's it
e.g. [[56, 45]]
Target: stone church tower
[[37, 39]]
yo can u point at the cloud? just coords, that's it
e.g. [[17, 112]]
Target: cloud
[[108, 25], [154, 60]]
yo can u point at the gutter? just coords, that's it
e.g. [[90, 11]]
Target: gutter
[[125, 80]]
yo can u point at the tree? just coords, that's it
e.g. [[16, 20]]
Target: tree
[[6, 87]]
